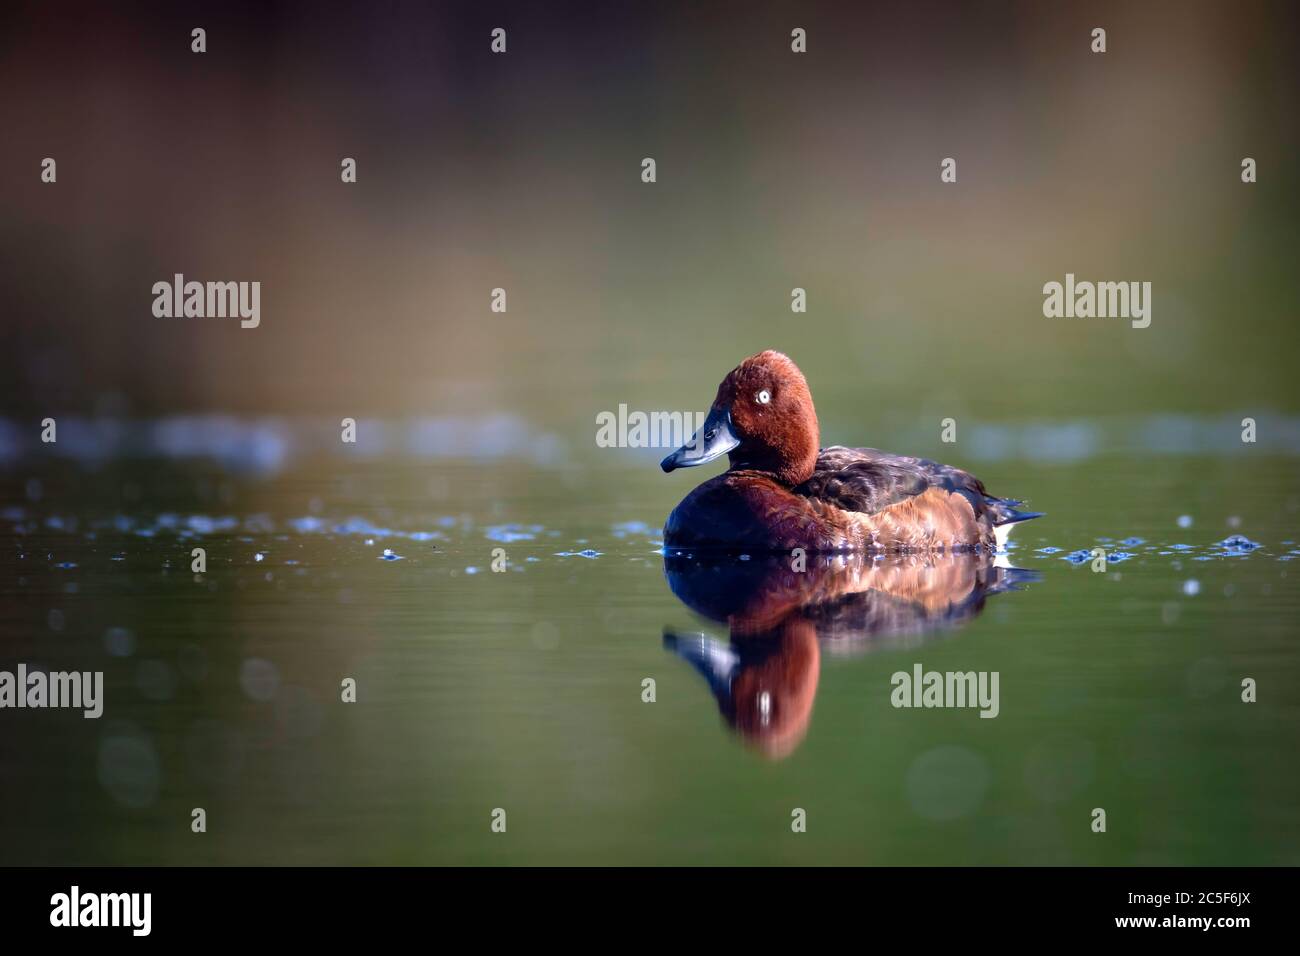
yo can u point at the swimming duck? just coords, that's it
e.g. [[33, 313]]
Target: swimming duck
[[783, 491]]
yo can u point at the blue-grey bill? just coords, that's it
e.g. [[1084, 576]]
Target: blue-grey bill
[[714, 439]]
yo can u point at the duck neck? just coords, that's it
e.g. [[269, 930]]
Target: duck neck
[[789, 470], [797, 471]]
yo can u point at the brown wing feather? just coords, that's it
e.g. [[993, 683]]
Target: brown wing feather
[[868, 481]]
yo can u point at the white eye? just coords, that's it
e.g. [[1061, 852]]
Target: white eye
[[763, 397]]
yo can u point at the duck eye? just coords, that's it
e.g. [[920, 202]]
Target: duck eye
[[763, 397]]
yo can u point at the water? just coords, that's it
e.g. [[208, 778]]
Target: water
[[523, 689]]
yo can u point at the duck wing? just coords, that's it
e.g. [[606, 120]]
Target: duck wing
[[868, 481]]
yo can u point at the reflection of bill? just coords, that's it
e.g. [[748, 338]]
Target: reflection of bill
[[780, 620]]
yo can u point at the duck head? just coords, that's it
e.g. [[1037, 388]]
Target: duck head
[[762, 419]]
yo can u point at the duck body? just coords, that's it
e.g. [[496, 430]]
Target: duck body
[[783, 492], [858, 499]]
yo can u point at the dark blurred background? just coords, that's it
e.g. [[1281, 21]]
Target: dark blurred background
[[522, 171]]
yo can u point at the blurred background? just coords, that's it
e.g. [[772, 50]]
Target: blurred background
[[522, 171], [477, 429]]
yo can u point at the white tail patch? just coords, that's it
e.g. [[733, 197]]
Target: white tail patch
[[1001, 533]]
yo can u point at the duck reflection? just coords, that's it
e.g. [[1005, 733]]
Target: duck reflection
[[781, 620]]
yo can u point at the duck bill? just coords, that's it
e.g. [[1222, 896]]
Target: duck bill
[[714, 439]]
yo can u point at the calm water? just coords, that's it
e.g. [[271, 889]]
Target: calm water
[[522, 690]]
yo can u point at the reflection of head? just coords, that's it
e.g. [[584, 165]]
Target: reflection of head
[[765, 679], [771, 700]]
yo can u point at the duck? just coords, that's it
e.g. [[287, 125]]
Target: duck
[[782, 491]]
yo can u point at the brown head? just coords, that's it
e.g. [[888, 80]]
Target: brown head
[[762, 419]]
